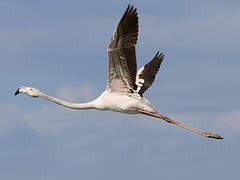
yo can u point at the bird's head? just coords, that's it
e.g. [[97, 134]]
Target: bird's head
[[30, 91]]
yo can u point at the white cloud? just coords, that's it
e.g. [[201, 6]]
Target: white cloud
[[49, 118], [229, 121], [82, 92], [43, 120], [8, 117], [54, 119]]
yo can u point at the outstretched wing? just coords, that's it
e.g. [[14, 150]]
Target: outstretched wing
[[147, 73], [121, 53]]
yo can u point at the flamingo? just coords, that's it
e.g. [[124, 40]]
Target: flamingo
[[125, 85]]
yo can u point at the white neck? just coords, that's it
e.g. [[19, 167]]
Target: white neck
[[88, 105]]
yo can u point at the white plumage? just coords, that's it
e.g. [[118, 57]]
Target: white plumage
[[125, 86]]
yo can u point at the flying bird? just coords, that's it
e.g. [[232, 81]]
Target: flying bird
[[125, 85]]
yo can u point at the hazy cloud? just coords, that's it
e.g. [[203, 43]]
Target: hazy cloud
[[82, 92], [202, 34], [229, 121], [53, 119], [75, 35]]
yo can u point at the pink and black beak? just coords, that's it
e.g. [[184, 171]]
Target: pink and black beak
[[17, 92]]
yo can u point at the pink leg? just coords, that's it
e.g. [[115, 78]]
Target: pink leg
[[209, 135]]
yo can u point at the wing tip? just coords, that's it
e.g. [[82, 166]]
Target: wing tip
[[131, 10], [159, 55]]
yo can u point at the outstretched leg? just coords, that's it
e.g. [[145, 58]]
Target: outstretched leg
[[209, 135]]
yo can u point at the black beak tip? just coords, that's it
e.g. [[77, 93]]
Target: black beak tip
[[17, 92]]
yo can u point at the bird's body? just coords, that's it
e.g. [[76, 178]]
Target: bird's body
[[125, 85], [129, 104]]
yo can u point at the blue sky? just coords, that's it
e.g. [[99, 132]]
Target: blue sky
[[60, 48]]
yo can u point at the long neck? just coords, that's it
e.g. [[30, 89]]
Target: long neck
[[89, 105]]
